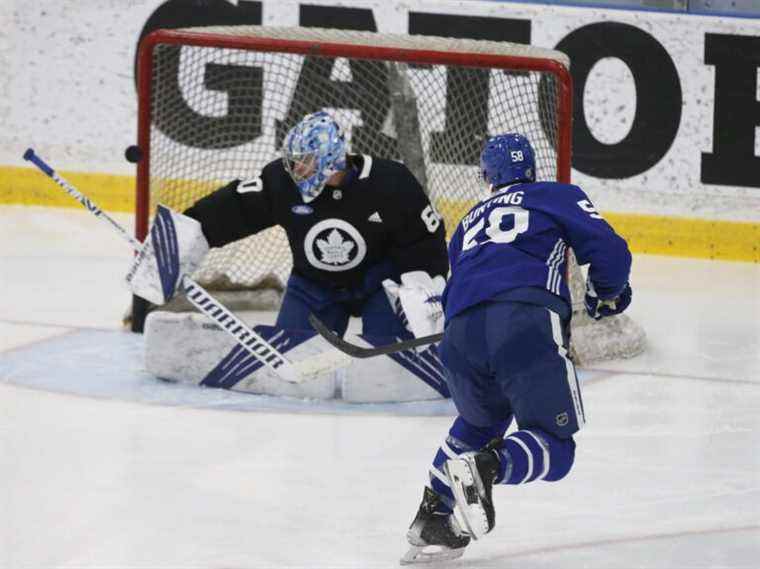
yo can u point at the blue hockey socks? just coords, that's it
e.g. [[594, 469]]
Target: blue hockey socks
[[525, 455], [533, 454]]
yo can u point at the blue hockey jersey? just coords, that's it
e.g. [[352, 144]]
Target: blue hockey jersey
[[516, 240]]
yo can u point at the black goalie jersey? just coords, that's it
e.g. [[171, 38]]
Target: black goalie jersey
[[381, 213]]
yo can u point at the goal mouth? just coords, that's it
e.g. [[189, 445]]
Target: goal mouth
[[216, 102]]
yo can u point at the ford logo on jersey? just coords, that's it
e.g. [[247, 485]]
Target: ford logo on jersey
[[302, 209]]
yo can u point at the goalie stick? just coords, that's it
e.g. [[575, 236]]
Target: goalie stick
[[360, 352], [208, 305]]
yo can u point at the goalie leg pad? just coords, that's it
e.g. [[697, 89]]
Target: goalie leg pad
[[184, 347]]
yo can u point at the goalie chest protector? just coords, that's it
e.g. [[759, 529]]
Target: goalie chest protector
[[380, 212]]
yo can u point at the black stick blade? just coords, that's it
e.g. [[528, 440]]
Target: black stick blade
[[360, 352]]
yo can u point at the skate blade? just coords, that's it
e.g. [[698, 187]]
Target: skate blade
[[417, 554], [468, 511]]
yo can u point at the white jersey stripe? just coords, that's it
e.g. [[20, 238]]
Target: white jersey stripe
[[549, 263], [558, 263], [572, 379], [549, 279], [555, 281], [556, 258]]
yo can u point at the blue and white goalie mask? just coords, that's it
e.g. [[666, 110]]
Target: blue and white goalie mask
[[314, 150], [507, 159]]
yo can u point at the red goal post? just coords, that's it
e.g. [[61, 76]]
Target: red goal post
[[215, 103]]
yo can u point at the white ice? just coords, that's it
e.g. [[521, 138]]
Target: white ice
[[102, 466]]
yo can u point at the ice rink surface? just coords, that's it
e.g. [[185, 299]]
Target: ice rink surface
[[101, 466]]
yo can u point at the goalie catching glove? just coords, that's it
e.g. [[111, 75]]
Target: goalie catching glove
[[174, 247], [417, 301], [599, 308]]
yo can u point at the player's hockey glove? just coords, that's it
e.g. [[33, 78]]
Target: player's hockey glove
[[417, 301], [599, 308]]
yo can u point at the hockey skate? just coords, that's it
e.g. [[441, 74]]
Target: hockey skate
[[433, 536], [471, 477]]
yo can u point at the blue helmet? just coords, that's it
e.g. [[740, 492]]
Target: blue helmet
[[314, 150], [506, 159]]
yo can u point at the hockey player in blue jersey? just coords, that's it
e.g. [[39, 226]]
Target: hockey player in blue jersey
[[507, 311]]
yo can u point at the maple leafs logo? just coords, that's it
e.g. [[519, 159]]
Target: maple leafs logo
[[334, 245], [335, 249]]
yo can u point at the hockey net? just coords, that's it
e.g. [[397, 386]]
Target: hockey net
[[216, 102]]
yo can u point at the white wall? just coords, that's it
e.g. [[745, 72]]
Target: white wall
[[68, 88]]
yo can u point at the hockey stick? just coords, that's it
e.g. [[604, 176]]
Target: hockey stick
[[359, 352], [208, 305]]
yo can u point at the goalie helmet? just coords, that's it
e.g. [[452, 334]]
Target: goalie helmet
[[314, 150], [507, 159]]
